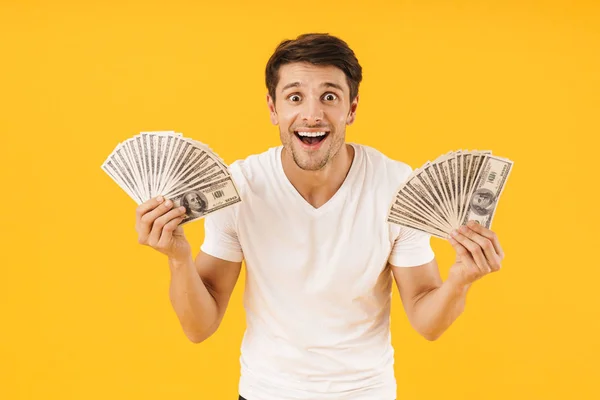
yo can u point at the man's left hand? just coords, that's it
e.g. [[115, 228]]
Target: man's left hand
[[478, 253]]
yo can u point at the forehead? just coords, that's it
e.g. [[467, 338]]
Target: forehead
[[310, 75]]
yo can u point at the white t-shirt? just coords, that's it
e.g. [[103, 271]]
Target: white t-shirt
[[318, 288]]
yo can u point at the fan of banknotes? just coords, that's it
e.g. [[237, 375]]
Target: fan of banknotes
[[180, 169], [450, 191]]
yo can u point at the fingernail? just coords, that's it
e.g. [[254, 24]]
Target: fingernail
[[168, 203], [463, 228], [160, 199], [182, 208], [454, 232], [471, 223]]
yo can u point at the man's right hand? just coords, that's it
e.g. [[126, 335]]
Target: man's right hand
[[157, 225]]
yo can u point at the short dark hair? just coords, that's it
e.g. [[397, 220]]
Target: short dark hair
[[318, 49]]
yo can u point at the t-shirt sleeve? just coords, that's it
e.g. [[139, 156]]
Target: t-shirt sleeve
[[220, 235], [411, 248]]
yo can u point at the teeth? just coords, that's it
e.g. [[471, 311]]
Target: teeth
[[312, 134]]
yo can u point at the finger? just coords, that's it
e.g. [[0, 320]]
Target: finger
[[160, 222], [475, 251], [485, 244], [148, 219], [167, 231], [463, 254], [147, 206], [482, 230], [471, 270], [141, 225]]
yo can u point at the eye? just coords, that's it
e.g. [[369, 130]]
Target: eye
[[330, 97], [294, 98]]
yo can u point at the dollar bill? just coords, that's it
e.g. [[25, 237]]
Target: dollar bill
[[181, 169], [483, 200], [203, 200], [419, 208], [417, 226], [449, 191]]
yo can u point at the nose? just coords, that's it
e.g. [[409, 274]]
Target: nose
[[312, 112]]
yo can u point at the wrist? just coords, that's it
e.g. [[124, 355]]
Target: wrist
[[181, 261], [456, 285]]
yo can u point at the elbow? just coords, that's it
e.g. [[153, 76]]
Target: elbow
[[431, 337], [430, 334], [196, 339], [197, 336]]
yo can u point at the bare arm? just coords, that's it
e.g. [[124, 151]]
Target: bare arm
[[432, 306], [199, 290]]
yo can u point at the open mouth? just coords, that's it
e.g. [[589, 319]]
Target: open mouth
[[311, 138]]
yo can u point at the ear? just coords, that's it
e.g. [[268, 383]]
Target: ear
[[272, 111], [352, 113]]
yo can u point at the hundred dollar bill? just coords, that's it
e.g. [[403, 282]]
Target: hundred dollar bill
[[482, 202], [478, 160], [210, 151], [205, 177], [421, 189], [113, 171], [130, 151], [185, 153], [417, 208], [412, 224], [442, 181], [198, 163], [399, 214], [203, 200]]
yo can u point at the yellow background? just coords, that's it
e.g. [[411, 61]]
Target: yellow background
[[85, 311]]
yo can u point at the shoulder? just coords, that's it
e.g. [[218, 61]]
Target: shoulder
[[254, 166], [381, 169], [254, 169], [389, 175], [383, 176], [247, 174]]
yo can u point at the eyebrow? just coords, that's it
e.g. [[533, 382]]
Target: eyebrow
[[324, 84]]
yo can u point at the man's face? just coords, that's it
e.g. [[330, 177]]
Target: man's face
[[194, 202], [312, 109]]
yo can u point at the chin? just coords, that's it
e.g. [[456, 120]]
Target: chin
[[307, 163]]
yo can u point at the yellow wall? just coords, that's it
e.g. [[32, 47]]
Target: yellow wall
[[84, 309]]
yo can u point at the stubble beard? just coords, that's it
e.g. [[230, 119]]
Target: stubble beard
[[314, 161]]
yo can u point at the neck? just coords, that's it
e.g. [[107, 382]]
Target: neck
[[317, 187]]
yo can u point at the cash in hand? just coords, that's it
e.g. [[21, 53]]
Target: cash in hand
[[181, 169], [454, 189]]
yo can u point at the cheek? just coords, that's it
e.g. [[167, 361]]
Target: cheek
[[287, 114], [341, 118], [286, 120]]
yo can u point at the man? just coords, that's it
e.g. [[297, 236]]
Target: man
[[319, 254]]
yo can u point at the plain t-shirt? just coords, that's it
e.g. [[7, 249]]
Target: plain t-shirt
[[318, 283]]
